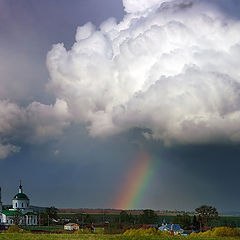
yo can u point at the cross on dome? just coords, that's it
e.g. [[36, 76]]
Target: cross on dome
[[20, 187]]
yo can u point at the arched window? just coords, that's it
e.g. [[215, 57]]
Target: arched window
[[22, 205], [16, 205]]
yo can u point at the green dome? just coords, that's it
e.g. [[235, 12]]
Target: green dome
[[21, 196]]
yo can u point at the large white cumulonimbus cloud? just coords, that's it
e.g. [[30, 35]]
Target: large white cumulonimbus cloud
[[135, 6], [170, 68]]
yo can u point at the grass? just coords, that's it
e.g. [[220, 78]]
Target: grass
[[43, 228], [29, 236]]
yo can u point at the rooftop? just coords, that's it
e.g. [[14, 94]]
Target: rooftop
[[21, 196], [11, 213]]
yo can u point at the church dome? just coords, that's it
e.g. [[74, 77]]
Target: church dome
[[21, 196]]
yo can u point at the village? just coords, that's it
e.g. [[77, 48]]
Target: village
[[108, 221]]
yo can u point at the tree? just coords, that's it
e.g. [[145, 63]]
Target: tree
[[184, 221], [195, 223], [89, 219], [206, 214], [17, 219], [51, 212], [48, 215], [148, 217], [79, 218], [123, 217], [233, 224]]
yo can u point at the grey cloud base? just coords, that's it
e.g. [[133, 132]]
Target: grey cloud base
[[34, 124]]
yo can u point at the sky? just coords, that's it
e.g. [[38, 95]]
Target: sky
[[120, 104]]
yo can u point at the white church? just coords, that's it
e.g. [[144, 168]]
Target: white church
[[20, 213]]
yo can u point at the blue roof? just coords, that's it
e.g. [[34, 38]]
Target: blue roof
[[162, 228], [171, 227]]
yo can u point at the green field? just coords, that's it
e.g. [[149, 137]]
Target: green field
[[95, 237], [43, 228]]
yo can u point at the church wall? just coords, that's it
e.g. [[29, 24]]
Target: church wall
[[25, 220], [7, 220], [20, 203], [31, 220]]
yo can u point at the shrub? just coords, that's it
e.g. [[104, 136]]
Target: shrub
[[144, 232], [208, 233], [15, 229], [99, 230], [83, 231], [219, 232], [226, 232], [193, 234]]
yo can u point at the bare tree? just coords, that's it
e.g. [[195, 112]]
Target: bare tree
[[17, 219]]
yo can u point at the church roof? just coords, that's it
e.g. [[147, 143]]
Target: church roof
[[11, 213], [21, 196], [17, 213], [30, 214]]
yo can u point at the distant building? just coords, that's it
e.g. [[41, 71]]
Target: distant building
[[71, 226], [146, 226], [174, 229], [20, 213]]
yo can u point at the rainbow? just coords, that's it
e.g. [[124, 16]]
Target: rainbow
[[136, 181]]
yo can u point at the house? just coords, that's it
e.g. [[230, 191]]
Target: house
[[71, 227], [20, 213], [3, 227], [174, 229], [146, 226]]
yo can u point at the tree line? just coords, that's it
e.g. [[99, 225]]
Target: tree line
[[205, 217]]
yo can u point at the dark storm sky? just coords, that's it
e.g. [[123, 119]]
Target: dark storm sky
[[74, 169]]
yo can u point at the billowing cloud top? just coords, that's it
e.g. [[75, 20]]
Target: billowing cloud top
[[134, 6], [170, 68]]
